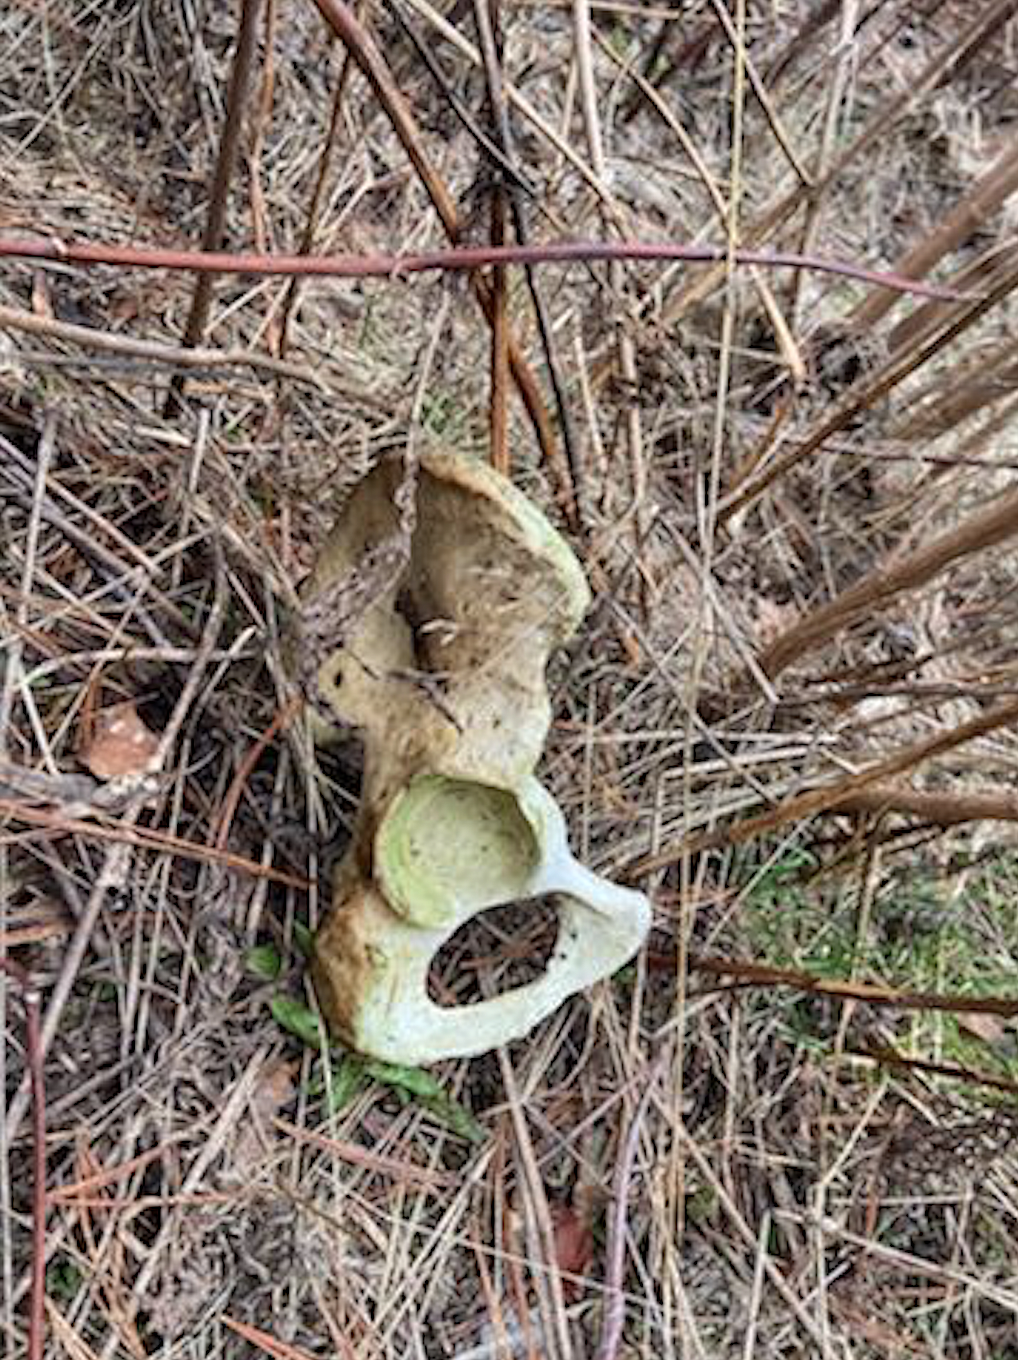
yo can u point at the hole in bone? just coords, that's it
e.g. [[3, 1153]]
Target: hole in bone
[[495, 952]]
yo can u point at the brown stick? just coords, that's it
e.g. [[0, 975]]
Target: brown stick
[[889, 1057], [984, 198], [307, 239], [833, 796], [375, 70], [883, 119], [462, 259], [979, 380], [762, 974], [516, 188], [938, 809], [975, 534], [867, 392], [215, 224], [499, 411]]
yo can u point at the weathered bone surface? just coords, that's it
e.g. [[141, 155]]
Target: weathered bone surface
[[444, 677]]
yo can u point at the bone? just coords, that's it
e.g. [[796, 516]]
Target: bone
[[443, 678]]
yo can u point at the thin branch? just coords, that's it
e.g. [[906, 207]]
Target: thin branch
[[173, 356], [373, 66], [975, 534], [749, 972], [492, 62], [934, 808], [215, 225], [886, 1056], [307, 239], [961, 223], [615, 1298], [868, 391], [488, 19], [832, 796], [458, 259]]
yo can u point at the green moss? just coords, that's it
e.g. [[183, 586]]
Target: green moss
[[922, 933]]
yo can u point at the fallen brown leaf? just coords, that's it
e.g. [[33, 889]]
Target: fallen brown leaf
[[574, 1246], [120, 744]]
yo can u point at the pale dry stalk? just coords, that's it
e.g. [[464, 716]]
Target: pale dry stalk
[[965, 218], [976, 534]]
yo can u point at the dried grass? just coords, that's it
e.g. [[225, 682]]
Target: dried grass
[[747, 450]]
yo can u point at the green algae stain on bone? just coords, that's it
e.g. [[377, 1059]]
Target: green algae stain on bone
[[447, 843]]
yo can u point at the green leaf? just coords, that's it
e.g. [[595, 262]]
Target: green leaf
[[347, 1080], [428, 1092], [304, 938], [298, 1020], [455, 1117], [63, 1279], [264, 961], [413, 1079]]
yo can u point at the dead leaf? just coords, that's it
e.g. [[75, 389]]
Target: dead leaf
[[273, 1089], [574, 1246], [120, 744], [986, 1027]]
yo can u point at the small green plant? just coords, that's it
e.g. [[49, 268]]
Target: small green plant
[[348, 1076], [63, 1279], [920, 935], [264, 962]]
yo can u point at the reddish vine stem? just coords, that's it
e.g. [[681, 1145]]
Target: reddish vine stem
[[33, 1050], [457, 259]]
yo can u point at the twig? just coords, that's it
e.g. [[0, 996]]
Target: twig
[[118, 858], [124, 831], [936, 808], [867, 392], [987, 529], [174, 356], [754, 974], [491, 59], [886, 1056], [36, 1078], [488, 19], [215, 225], [557, 1340], [307, 239], [876, 129], [458, 259], [609, 213], [737, 41], [375, 70], [491, 148], [224, 820], [829, 798]]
